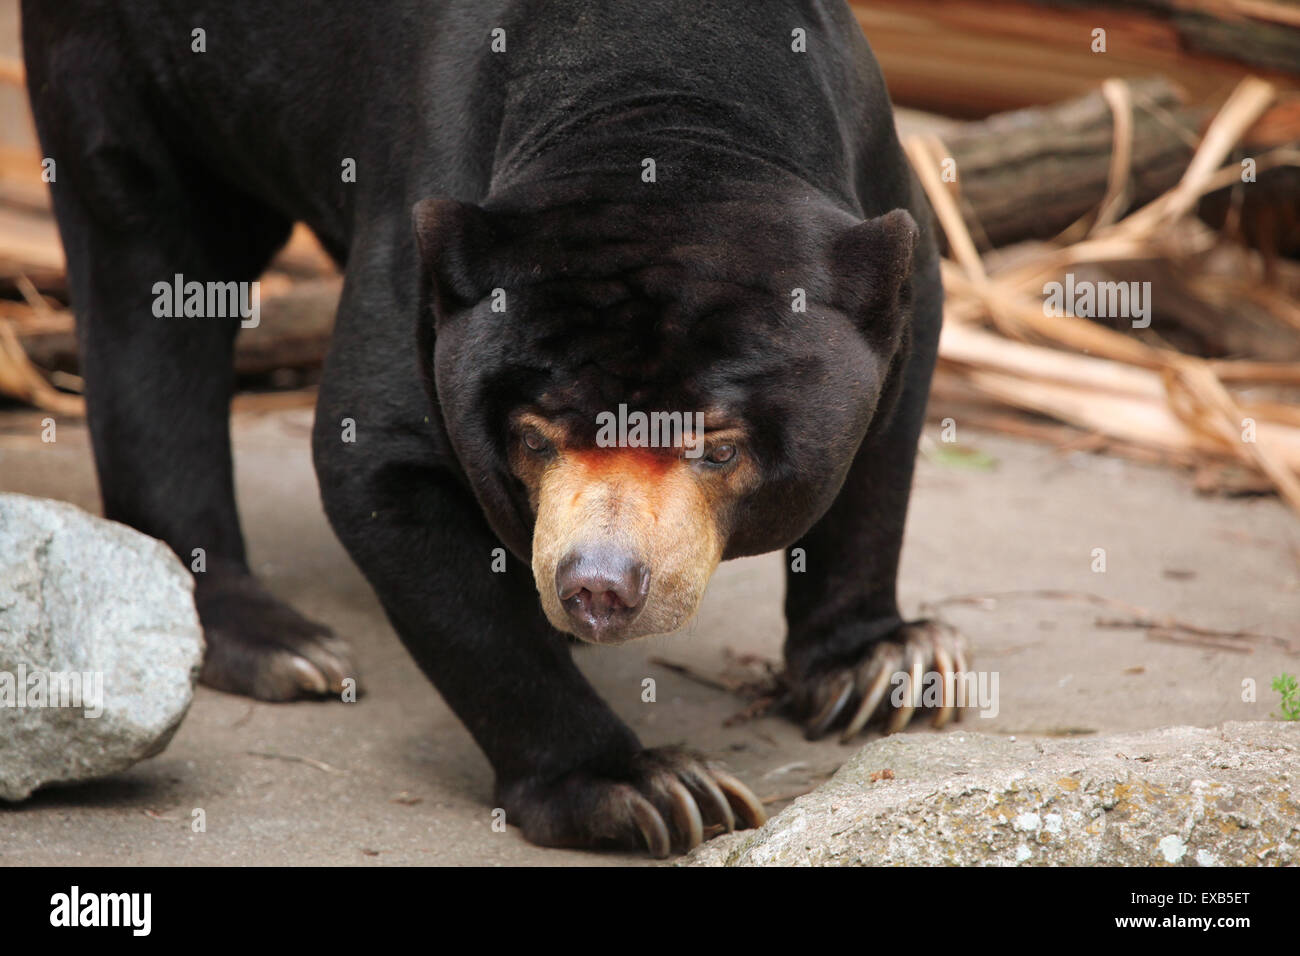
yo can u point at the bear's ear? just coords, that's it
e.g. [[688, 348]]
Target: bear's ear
[[455, 241], [872, 263]]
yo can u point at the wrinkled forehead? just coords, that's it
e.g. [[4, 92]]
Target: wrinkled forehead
[[733, 366], [654, 333], [716, 309], [663, 243], [719, 371]]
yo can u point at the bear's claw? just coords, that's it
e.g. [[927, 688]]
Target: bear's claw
[[859, 690], [667, 802]]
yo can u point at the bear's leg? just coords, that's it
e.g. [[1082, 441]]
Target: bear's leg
[[133, 217], [846, 640]]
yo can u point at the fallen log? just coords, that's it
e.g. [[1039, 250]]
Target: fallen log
[[294, 331], [30, 246], [1031, 173]]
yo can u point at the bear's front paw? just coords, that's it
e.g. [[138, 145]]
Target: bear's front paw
[[853, 695], [260, 647], [664, 800]]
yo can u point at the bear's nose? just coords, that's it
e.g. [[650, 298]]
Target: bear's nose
[[602, 590]]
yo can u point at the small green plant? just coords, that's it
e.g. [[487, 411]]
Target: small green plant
[[1289, 688]]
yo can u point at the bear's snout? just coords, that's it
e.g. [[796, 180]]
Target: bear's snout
[[624, 542], [602, 589]]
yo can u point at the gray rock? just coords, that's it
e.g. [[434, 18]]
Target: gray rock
[[1181, 796], [99, 643]]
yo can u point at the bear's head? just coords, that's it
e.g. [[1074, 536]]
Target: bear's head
[[637, 391]]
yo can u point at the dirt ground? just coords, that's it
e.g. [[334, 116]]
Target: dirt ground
[[395, 779]]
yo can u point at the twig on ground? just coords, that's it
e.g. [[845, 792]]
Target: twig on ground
[[1168, 627], [294, 758]]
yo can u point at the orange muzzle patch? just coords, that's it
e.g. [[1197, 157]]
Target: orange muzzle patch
[[615, 510]]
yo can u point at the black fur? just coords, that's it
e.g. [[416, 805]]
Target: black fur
[[672, 294]]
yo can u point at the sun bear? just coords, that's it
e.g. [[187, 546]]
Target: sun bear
[[547, 213]]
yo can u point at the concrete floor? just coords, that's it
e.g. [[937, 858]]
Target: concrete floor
[[402, 782]]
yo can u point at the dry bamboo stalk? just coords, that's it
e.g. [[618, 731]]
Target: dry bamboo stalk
[[1268, 455], [1273, 412], [12, 71], [21, 379], [1081, 334], [1246, 372], [976, 348], [29, 244], [924, 151], [1198, 412], [1125, 417], [964, 349], [1116, 93], [1246, 105]]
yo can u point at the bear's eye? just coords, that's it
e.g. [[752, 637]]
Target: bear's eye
[[536, 442], [721, 454]]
